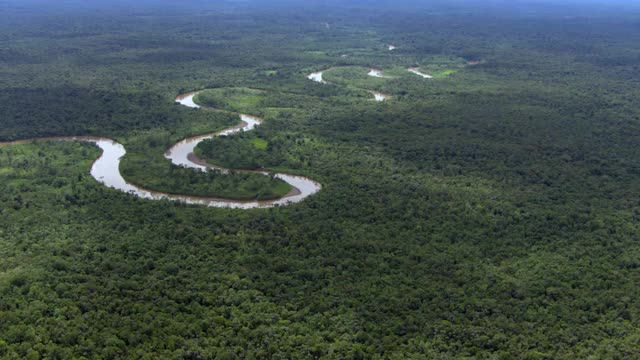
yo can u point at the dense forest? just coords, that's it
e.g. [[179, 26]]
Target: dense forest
[[491, 211]]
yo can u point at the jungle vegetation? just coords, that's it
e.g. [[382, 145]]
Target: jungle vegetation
[[489, 212]]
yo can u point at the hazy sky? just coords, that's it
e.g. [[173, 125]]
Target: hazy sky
[[508, 6]]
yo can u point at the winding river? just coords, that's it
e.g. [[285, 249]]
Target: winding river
[[416, 71], [317, 77], [106, 169], [377, 96], [377, 73]]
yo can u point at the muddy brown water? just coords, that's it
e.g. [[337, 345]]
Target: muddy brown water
[[106, 169]]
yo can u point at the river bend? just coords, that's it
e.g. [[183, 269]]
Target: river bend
[[106, 169]]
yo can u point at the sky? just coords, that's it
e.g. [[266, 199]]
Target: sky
[[544, 6]]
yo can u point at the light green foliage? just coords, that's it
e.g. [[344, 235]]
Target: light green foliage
[[261, 144], [488, 214], [234, 99]]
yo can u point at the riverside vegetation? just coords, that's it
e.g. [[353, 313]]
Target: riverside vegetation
[[491, 211]]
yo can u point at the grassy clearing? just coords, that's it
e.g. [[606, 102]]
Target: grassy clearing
[[442, 66], [444, 73], [240, 99], [354, 76], [260, 143], [357, 80]]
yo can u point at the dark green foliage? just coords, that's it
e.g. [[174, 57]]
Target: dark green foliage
[[490, 213], [146, 166]]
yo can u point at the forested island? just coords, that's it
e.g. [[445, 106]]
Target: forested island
[[485, 207]]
